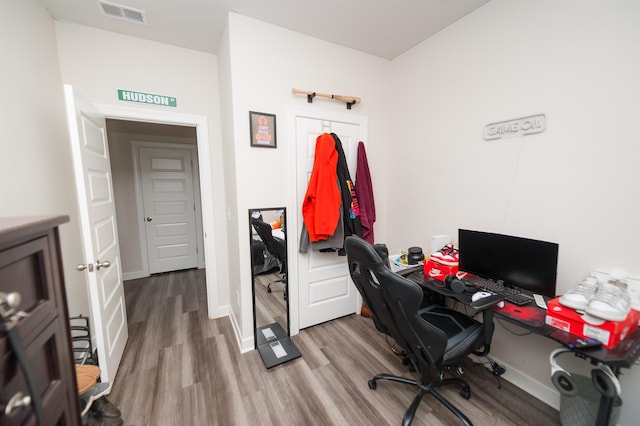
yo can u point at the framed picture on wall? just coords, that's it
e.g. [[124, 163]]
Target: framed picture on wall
[[263, 129]]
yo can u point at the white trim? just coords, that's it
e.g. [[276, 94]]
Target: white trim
[[133, 275], [246, 344], [293, 112], [142, 229], [204, 161]]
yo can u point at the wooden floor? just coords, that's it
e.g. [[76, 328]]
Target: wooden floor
[[270, 307], [181, 368]]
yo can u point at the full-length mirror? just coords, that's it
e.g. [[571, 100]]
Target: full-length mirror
[[267, 228]]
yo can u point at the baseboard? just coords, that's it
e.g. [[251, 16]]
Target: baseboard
[[245, 344], [133, 275], [545, 393], [222, 311]]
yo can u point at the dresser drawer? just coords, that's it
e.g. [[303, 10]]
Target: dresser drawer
[[28, 269], [31, 265], [43, 355]]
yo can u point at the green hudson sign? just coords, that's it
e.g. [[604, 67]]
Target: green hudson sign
[[146, 98]]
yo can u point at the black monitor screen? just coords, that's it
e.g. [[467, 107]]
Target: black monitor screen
[[521, 262]]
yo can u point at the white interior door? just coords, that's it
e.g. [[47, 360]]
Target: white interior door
[[99, 230], [325, 288], [166, 176]]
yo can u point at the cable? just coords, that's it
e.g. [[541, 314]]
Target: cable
[[392, 346], [513, 184], [21, 357], [496, 369], [511, 331]]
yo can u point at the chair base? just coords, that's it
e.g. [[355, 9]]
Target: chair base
[[282, 280], [427, 387]]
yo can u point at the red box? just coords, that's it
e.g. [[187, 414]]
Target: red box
[[438, 270], [608, 332]]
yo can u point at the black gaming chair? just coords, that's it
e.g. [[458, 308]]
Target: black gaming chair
[[274, 245], [430, 336]]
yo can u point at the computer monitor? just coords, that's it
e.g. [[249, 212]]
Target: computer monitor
[[520, 262]]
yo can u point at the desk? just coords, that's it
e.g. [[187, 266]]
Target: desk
[[532, 318]]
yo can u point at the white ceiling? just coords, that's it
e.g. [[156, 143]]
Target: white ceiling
[[385, 28]]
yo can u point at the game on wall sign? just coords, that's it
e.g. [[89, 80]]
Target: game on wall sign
[[516, 127], [147, 98]]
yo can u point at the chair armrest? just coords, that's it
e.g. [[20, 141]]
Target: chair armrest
[[485, 306], [486, 302]]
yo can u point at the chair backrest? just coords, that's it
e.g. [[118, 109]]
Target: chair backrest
[[394, 302], [274, 245]]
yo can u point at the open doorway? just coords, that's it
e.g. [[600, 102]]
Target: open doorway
[[88, 131], [170, 238]]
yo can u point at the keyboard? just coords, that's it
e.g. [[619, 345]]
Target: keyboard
[[510, 294]]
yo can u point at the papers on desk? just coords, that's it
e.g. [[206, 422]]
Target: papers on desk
[[396, 266]]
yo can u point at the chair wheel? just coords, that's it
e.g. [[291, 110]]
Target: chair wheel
[[372, 384], [465, 392]]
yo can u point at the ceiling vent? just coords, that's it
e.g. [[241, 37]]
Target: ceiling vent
[[124, 13]]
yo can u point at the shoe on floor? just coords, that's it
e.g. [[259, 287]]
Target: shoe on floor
[[611, 303], [105, 407], [580, 295], [95, 418]]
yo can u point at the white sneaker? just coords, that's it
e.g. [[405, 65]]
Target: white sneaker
[[611, 303], [580, 295]]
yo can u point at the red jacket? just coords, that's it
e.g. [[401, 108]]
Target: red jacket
[[321, 205]]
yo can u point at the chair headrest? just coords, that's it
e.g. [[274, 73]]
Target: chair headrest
[[361, 251]]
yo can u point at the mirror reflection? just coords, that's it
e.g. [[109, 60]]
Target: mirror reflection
[[269, 267]]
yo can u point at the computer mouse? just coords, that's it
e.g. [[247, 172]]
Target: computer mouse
[[480, 295]]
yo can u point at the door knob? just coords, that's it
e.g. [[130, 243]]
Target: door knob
[[104, 264], [149, 218], [81, 267]]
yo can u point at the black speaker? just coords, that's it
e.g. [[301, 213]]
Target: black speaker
[[455, 284], [603, 378], [605, 381]]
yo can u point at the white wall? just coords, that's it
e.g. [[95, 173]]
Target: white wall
[[97, 63], [575, 184], [266, 63], [231, 203], [36, 169]]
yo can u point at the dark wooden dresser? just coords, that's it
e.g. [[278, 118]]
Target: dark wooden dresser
[[30, 264]]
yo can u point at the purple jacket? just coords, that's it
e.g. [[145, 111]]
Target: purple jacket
[[364, 190]]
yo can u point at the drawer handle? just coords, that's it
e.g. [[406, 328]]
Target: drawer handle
[[8, 304], [17, 403]]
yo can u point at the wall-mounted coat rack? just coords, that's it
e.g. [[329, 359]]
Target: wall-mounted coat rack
[[349, 100]]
